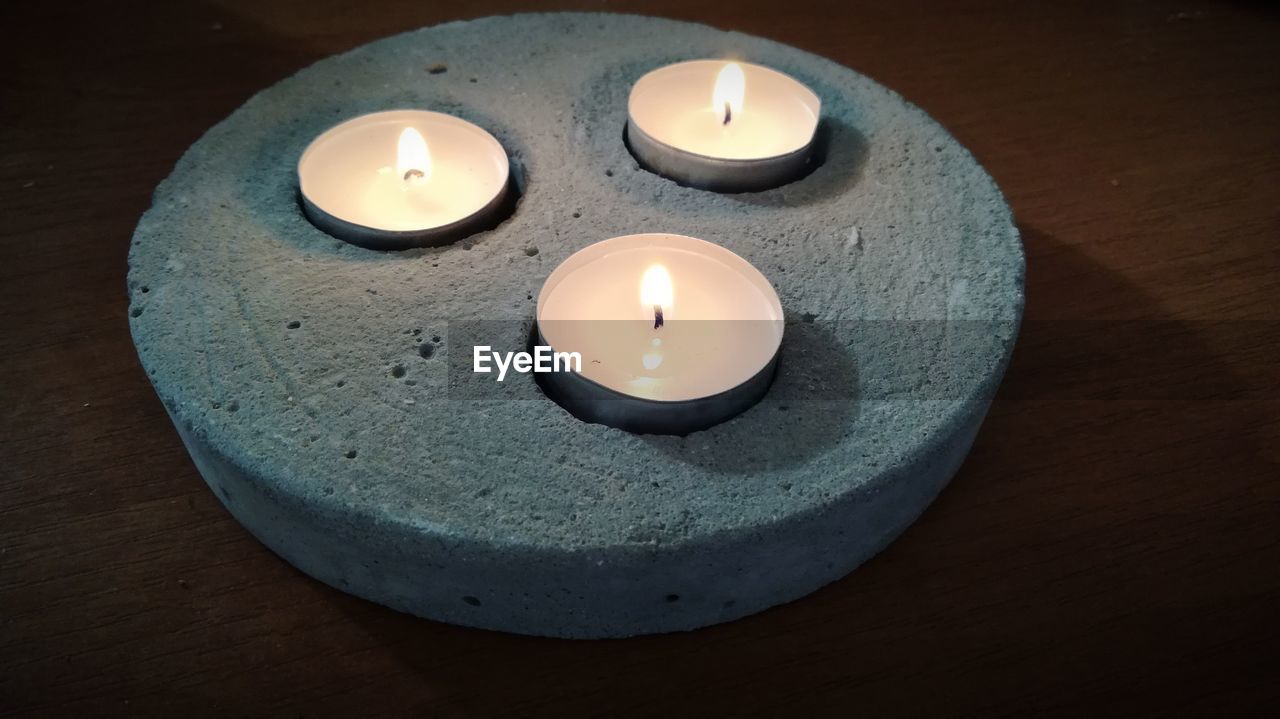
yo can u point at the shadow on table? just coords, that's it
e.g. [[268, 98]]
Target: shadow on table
[[1087, 335]]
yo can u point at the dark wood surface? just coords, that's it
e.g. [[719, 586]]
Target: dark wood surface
[[1111, 544]]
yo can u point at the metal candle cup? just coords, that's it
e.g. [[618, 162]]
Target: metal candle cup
[[404, 178], [675, 334], [723, 126]]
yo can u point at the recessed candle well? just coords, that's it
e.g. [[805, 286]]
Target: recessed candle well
[[676, 334], [404, 178], [722, 125]]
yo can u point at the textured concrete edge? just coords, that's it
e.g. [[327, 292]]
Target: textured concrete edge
[[584, 595]]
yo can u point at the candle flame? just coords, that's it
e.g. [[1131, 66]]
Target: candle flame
[[731, 87], [655, 288], [413, 159]]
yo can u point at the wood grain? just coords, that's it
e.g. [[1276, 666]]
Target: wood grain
[[1111, 546]]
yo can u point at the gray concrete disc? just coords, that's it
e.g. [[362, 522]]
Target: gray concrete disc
[[324, 390]]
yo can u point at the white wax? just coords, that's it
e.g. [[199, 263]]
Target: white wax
[[722, 326], [350, 171], [676, 106]]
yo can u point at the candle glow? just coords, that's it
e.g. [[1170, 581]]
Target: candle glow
[[413, 158], [729, 92], [655, 287], [656, 292]]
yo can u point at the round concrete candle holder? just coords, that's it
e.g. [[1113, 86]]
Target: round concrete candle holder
[[325, 390]]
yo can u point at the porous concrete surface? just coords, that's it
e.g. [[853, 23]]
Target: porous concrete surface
[[323, 390]]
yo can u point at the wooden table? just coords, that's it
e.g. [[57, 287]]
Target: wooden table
[[1113, 541]]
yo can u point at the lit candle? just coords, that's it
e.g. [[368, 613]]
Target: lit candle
[[404, 178], [675, 334], [723, 126]]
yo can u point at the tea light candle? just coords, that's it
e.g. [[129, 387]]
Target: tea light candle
[[404, 178], [723, 126], [675, 334]]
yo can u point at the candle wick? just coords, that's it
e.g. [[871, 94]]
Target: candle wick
[[414, 173], [728, 112], [657, 316]]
